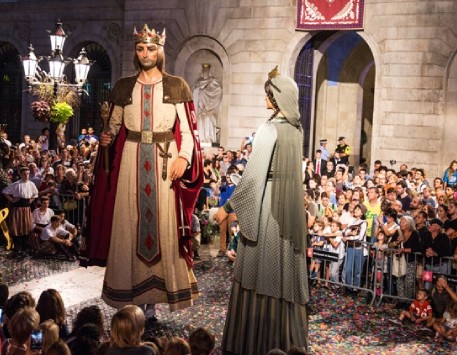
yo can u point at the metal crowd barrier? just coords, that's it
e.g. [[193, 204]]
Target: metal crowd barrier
[[374, 273], [74, 209], [353, 272]]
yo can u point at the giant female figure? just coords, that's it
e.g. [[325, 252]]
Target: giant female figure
[[270, 289]]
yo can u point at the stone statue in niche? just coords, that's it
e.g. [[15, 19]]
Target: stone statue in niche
[[207, 94]]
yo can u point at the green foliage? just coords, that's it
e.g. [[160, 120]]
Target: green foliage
[[61, 112]]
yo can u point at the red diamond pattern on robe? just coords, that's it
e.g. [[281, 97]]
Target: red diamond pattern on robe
[[149, 241], [148, 189], [148, 215], [147, 166], [147, 96], [146, 113]]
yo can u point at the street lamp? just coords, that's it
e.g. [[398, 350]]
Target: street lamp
[[37, 77]]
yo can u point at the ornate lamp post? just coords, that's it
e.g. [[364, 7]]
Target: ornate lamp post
[[38, 78]]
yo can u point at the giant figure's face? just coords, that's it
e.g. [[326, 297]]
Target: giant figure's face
[[147, 55]]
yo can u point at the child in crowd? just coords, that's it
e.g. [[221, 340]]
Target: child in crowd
[[378, 253], [335, 237], [177, 346], [420, 310], [447, 326], [21, 326], [317, 242], [127, 327], [235, 233], [201, 342]]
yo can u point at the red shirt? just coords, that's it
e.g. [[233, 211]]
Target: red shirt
[[420, 310]]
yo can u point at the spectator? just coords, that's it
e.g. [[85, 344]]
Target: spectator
[[226, 192], [419, 311], [127, 327], [59, 175], [42, 216], [427, 197], [59, 348], [50, 306], [330, 169], [421, 183], [201, 342], [50, 334], [16, 302], [373, 207], [408, 243], [450, 174], [21, 194], [448, 326], [88, 315], [54, 237], [438, 186], [87, 340], [177, 346], [450, 225], [441, 296], [21, 326], [356, 252], [335, 239], [435, 245], [402, 195]]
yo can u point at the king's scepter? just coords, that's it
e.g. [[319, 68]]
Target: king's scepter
[[104, 113]]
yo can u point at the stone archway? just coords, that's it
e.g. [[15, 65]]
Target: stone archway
[[342, 96]]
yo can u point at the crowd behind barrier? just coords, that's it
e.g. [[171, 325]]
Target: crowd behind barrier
[[366, 225]]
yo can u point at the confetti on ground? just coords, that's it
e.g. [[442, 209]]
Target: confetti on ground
[[338, 323]]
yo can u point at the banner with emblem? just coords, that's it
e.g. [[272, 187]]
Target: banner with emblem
[[330, 14]]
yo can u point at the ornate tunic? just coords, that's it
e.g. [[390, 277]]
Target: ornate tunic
[[143, 240]]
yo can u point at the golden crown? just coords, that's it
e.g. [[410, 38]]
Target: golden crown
[[149, 36]]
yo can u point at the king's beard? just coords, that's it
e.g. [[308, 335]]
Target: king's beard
[[150, 64]]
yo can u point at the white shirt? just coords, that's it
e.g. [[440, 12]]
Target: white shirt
[[22, 189], [48, 232], [40, 217]]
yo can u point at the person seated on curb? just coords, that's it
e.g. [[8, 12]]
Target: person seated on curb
[[55, 237], [65, 224]]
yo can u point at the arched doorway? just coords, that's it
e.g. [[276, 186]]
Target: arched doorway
[[336, 73], [10, 90], [97, 86]]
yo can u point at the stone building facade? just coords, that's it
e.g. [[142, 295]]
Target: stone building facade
[[390, 89]]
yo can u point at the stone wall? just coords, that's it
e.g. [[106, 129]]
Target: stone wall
[[413, 44]]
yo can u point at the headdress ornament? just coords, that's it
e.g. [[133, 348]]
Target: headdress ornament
[[149, 36], [3, 127]]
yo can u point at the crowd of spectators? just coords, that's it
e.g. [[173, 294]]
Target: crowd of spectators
[[41, 185], [40, 327]]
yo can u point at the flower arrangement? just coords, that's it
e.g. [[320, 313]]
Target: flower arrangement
[[52, 106]]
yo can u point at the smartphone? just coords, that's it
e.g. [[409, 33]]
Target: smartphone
[[1, 316], [37, 340]]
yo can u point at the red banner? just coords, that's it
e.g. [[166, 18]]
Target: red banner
[[329, 14]]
